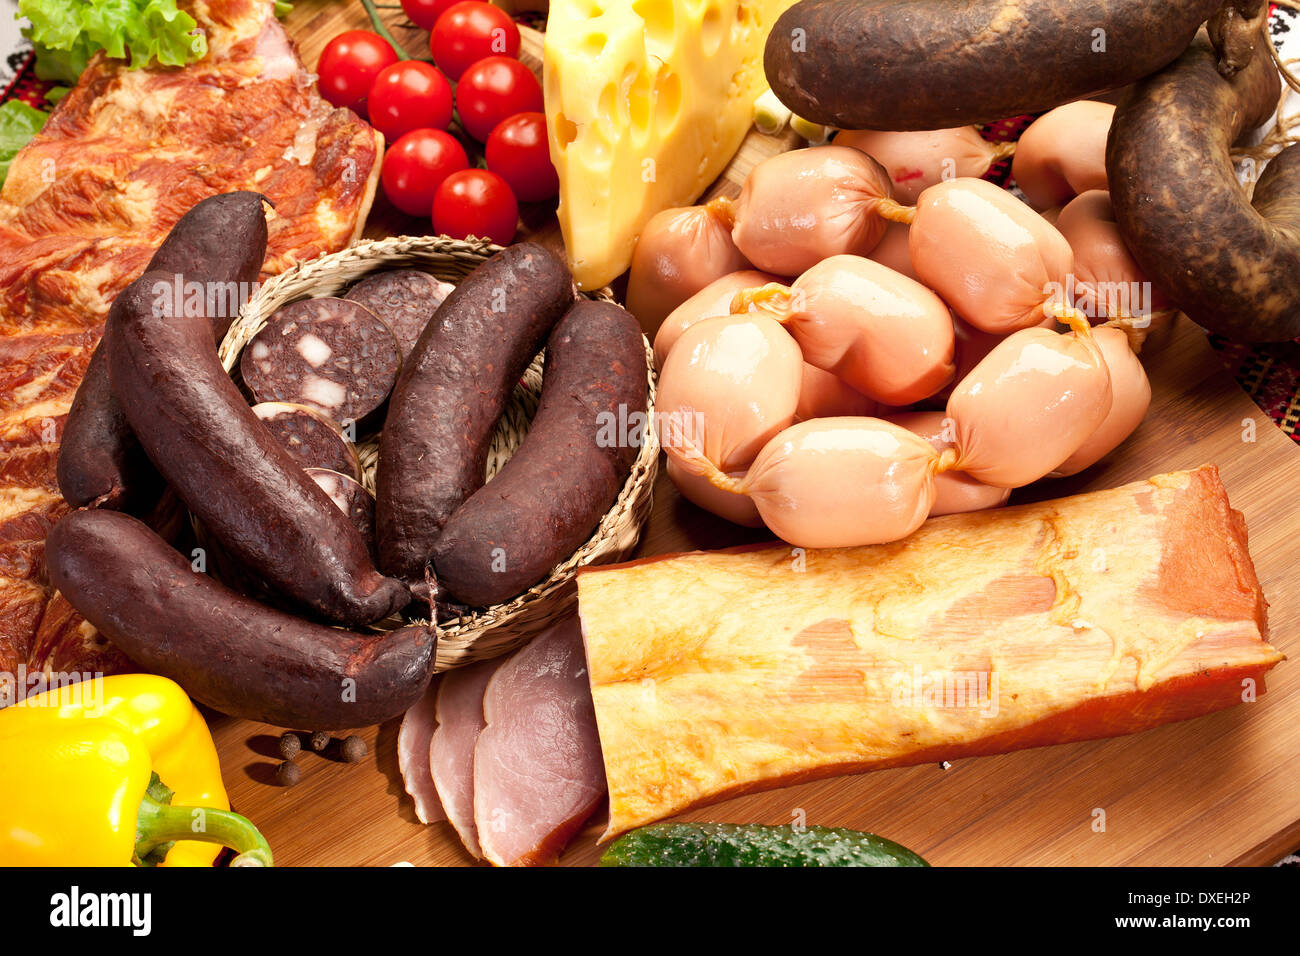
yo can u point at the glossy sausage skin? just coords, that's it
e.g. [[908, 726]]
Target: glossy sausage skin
[[222, 239], [1063, 153], [550, 496], [228, 651], [1130, 399], [801, 207], [919, 159], [230, 470], [731, 383], [901, 65], [1231, 267], [955, 492], [996, 262], [710, 302], [843, 482], [1028, 406], [680, 252], [882, 333], [451, 393]]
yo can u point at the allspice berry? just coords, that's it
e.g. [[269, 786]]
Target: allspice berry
[[290, 745], [354, 749], [287, 773]]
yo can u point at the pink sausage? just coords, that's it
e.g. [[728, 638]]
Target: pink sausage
[[894, 250], [972, 346], [711, 301], [991, 257], [729, 385], [1108, 283], [955, 492], [1030, 405], [843, 482], [823, 395], [679, 252], [1063, 153], [916, 160], [880, 332], [1132, 397], [801, 207], [736, 508]]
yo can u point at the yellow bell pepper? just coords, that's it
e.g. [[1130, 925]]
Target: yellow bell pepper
[[114, 771]]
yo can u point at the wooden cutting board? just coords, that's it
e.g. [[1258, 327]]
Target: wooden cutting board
[[1212, 791]]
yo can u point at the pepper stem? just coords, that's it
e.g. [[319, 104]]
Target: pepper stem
[[160, 823]]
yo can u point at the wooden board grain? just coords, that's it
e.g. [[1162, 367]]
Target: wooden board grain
[[1212, 791]]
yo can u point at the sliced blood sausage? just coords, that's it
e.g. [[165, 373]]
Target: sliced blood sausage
[[228, 651], [329, 354], [450, 395], [312, 439], [549, 497], [216, 248], [404, 298], [223, 463], [352, 499]]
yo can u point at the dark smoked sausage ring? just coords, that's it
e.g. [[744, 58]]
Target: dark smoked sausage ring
[[906, 65], [220, 240], [226, 650], [1233, 267], [229, 469]]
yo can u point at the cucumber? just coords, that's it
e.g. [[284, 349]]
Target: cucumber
[[752, 844]]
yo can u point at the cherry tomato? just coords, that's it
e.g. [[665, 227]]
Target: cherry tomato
[[416, 165], [494, 89], [424, 13], [517, 151], [476, 202], [409, 95], [349, 64], [467, 32]]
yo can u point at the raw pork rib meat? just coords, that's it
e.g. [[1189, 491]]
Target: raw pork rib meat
[[85, 204]]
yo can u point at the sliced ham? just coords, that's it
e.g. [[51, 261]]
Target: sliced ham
[[451, 751], [538, 772], [413, 756]]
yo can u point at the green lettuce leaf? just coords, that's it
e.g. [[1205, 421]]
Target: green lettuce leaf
[[18, 124], [67, 33]]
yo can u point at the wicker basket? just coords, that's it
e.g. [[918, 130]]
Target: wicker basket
[[496, 630]]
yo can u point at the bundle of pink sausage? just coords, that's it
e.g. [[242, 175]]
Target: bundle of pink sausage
[[913, 366]]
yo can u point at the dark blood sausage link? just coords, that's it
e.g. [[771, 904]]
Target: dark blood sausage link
[[404, 298], [228, 651], [1232, 267], [904, 65], [219, 243], [223, 463], [313, 440], [549, 497], [449, 397], [352, 499], [329, 354]]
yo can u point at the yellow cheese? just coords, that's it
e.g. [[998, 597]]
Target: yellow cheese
[[646, 102]]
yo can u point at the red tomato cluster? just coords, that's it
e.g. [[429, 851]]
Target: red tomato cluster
[[497, 101]]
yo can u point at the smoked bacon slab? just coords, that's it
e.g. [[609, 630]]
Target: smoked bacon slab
[[716, 674]]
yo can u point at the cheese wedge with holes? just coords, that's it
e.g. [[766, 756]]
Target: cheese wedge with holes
[[646, 102]]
